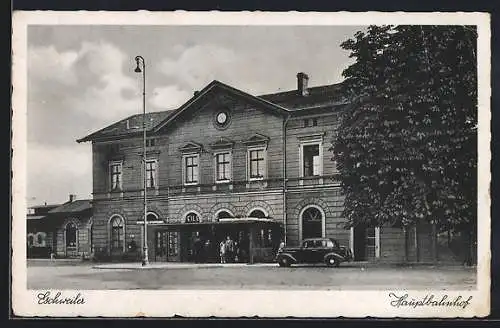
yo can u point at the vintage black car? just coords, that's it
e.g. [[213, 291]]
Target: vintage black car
[[314, 250]]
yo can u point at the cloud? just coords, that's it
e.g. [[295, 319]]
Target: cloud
[[92, 78], [53, 170], [168, 97], [250, 68], [46, 64], [72, 93], [199, 65]]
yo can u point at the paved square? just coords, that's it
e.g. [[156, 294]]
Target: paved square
[[349, 276]]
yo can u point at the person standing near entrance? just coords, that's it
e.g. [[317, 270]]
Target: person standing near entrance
[[198, 244], [229, 249], [222, 251]]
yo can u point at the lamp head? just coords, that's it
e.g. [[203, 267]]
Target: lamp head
[[138, 67]]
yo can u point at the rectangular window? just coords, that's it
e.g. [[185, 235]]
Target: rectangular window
[[223, 166], [257, 165], [116, 175], [191, 169], [151, 174], [311, 160], [310, 122], [150, 142]]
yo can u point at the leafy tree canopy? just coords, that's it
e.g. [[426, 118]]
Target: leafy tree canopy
[[406, 147]]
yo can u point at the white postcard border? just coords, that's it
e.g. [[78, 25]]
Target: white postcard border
[[239, 303]]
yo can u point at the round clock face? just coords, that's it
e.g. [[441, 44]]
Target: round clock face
[[221, 118]]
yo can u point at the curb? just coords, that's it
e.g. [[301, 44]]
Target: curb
[[177, 266]]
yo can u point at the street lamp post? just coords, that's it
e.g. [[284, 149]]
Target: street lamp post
[[140, 62]]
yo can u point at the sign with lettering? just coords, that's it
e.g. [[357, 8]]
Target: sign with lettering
[[192, 218]]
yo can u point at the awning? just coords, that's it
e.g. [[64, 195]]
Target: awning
[[35, 217], [224, 221]]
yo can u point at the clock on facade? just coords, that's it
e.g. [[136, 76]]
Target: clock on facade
[[222, 119]]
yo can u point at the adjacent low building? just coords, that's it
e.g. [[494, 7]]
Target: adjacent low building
[[61, 230]]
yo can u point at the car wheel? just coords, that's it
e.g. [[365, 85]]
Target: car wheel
[[332, 262], [283, 262]]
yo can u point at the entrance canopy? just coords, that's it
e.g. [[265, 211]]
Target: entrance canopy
[[256, 239], [225, 221]]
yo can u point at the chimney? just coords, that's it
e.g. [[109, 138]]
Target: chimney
[[302, 80], [72, 197]]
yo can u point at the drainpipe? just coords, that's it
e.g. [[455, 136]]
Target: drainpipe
[[285, 121]]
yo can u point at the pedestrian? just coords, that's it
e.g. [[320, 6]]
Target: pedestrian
[[206, 251], [229, 249], [222, 251], [197, 248]]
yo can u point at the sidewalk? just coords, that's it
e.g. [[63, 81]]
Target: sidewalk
[[178, 265]]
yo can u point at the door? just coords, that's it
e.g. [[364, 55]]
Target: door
[[359, 243], [188, 239], [173, 246], [161, 245], [371, 245], [366, 243]]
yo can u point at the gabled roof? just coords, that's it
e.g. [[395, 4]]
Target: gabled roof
[[213, 87], [293, 100], [134, 126], [281, 103], [76, 206]]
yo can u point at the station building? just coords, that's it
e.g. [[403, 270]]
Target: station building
[[227, 163]]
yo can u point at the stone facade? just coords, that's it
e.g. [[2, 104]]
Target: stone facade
[[300, 182]]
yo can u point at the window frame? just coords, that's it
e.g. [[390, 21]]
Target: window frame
[[71, 225], [111, 175], [151, 142], [301, 220], [155, 174], [304, 144], [216, 166], [249, 161], [121, 226], [184, 169]]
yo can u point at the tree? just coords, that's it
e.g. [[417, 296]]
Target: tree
[[406, 147]]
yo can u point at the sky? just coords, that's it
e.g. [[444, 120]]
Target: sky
[[81, 79]]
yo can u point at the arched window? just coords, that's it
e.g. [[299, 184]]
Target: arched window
[[192, 217], [117, 233], [31, 240], [40, 239], [152, 216], [71, 231], [224, 215], [312, 222], [257, 214]]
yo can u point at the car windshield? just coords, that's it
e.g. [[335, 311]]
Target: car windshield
[[331, 243]]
